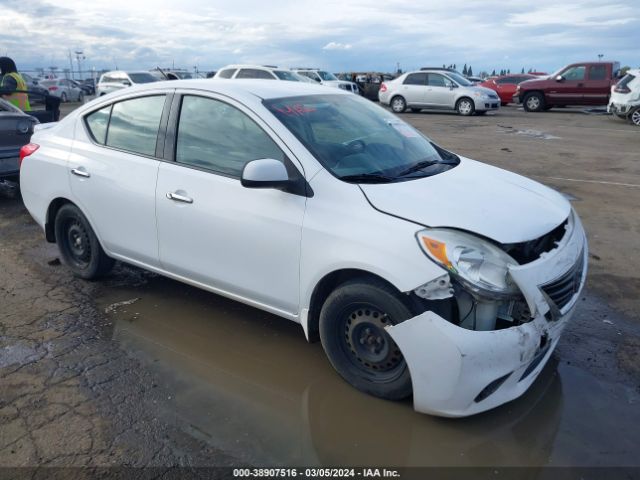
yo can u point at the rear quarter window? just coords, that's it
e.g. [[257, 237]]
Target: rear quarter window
[[97, 123]]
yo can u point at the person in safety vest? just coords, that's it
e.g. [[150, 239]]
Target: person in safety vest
[[12, 81]]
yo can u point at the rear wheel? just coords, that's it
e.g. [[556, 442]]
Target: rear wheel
[[352, 329], [634, 116], [534, 102], [465, 106], [79, 247], [398, 104]]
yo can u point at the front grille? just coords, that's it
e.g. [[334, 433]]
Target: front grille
[[562, 290]]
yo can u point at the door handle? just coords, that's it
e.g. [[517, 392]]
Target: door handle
[[179, 198], [80, 173]]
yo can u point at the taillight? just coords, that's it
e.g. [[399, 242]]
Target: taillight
[[53, 88], [27, 150], [383, 87]]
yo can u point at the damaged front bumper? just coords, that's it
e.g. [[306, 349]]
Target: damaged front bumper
[[458, 372]]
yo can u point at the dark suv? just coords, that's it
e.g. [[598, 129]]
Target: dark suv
[[16, 128], [585, 83]]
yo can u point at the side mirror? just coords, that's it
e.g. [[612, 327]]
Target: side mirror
[[559, 78], [126, 82], [265, 173]]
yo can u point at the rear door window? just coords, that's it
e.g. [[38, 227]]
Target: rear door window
[[415, 79], [135, 123], [228, 73], [597, 72]]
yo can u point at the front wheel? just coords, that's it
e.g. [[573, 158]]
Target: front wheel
[[634, 117], [465, 107], [352, 329], [63, 97], [79, 247], [398, 104], [534, 102]]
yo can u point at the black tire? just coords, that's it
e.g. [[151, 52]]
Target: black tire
[[63, 97], [81, 97], [416, 110], [533, 102], [79, 247], [503, 104], [465, 106], [352, 332], [634, 117], [398, 104]]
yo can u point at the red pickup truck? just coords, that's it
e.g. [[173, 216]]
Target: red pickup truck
[[586, 83]]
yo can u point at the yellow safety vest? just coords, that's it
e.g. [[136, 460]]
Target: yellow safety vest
[[20, 100]]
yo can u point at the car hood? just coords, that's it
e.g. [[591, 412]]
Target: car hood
[[475, 197]]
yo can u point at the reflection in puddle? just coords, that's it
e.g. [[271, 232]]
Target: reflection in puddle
[[249, 384]]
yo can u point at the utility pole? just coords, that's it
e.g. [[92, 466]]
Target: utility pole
[[79, 56], [71, 63]]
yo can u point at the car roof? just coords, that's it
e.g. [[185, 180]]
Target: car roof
[[246, 65], [264, 89]]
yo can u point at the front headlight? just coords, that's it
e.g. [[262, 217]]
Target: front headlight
[[480, 94], [476, 263]]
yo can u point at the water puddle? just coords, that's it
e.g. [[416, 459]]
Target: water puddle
[[249, 384]]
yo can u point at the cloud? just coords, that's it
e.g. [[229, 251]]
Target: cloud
[[337, 46], [212, 33]]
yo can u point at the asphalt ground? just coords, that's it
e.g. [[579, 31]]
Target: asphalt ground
[[138, 370]]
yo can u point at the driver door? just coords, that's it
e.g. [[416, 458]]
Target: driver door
[[440, 92], [570, 90]]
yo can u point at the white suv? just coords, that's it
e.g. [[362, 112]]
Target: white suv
[[438, 90], [327, 78], [258, 72], [117, 80], [625, 97]]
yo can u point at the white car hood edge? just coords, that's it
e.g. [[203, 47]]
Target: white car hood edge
[[475, 197]]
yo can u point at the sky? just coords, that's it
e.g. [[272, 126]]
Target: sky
[[351, 35]]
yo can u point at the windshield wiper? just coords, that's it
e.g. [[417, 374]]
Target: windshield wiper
[[367, 178], [424, 164]]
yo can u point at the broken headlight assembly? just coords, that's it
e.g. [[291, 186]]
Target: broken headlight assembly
[[477, 264]]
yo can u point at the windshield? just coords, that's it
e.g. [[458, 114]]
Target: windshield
[[285, 75], [142, 78], [358, 141], [459, 79], [326, 75]]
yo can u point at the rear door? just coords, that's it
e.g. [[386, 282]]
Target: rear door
[[598, 84], [414, 87], [113, 171], [439, 92], [241, 242]]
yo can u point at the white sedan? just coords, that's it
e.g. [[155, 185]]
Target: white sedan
[[422, 272]]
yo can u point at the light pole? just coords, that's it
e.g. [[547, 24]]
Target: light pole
[[79, 56]]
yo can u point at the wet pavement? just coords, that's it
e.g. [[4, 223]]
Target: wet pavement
[[138, 369]]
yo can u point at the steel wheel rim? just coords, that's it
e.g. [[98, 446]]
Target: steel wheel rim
[[533, 102], [78, 243], [465, 107], [635, 117], [368, 346]]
